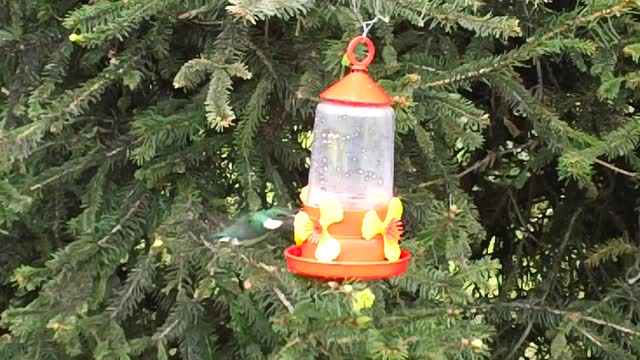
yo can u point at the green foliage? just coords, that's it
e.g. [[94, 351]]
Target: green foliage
[[633, 50], [130, 129], [12, 202], [611, 250]]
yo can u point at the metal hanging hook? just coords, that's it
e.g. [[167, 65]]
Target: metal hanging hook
[[367, 25]]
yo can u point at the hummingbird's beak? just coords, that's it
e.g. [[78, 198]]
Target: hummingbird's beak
[[293, 212]]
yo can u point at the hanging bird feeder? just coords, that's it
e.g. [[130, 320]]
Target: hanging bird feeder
[[350, 224]]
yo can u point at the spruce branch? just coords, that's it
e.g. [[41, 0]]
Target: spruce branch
[[572, 315], [139, 281], [534, 46], [487, 160], [83, 163], [450, 15], [167, 329], [309, 337], [134, 207], [57, 176], [478, 164], [122, 20], [610, 250], [271, 269], [22, 142], [253, 10], [579, 148], [549, 283], [104, 105]]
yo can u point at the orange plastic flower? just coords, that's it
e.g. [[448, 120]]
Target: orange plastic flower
[[391, 228], [316, 231]]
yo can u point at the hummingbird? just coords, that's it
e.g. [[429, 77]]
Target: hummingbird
[[253, 227]]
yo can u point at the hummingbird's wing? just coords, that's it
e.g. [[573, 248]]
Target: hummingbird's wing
[[245, 231]]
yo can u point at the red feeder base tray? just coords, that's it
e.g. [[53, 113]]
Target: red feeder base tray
[[345, 270]]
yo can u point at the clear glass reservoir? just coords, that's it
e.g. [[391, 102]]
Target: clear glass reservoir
[[352, 155]]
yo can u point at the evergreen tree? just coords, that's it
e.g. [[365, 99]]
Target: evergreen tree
[[130, 129]]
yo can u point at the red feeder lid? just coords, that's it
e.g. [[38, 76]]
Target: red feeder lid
[[358, 87], [345, 270]]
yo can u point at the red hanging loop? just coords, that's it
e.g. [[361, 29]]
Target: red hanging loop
[[360, 64], [358, 88]]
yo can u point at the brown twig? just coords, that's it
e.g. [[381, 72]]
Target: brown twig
[[208, 23], [521, 340], [491, 156], [283, 299], [574, 316], [589, 335], [78, 167], [525, 225], [309, 336], [269, 268], [470, 169], [193, 13], [56, 177], [616, 169]]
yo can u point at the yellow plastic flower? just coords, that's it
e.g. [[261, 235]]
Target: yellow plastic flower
[[304, 193], [390, 229], [305, 229]]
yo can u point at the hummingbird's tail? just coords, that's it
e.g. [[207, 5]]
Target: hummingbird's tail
[[214, 237], [219, 238]]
